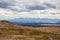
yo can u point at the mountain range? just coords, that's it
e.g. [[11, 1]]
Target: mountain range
[[11, 31], [34, 21]]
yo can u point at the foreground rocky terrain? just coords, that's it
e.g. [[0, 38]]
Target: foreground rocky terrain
[[10, 31]]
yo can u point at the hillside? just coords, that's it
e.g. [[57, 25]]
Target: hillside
[[11, 31]]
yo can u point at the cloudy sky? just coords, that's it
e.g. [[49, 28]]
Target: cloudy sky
[[11, 9]]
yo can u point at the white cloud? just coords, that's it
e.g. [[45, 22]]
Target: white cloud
[[20, 9], [24, 4], [5, 14]]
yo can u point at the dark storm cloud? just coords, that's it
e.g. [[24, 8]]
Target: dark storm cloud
[[49, 5], [36, 7], [4, 5]]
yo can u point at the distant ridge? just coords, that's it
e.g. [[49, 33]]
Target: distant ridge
[[7, 24], [10, 25], [34, 20], [4, 21]]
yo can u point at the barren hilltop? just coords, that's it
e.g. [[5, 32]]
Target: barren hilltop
[[11, 31]]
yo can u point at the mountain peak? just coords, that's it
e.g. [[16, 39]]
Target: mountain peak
[[4, 21], [5, 24]]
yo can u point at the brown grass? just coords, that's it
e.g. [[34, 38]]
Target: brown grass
[[9, 31]]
